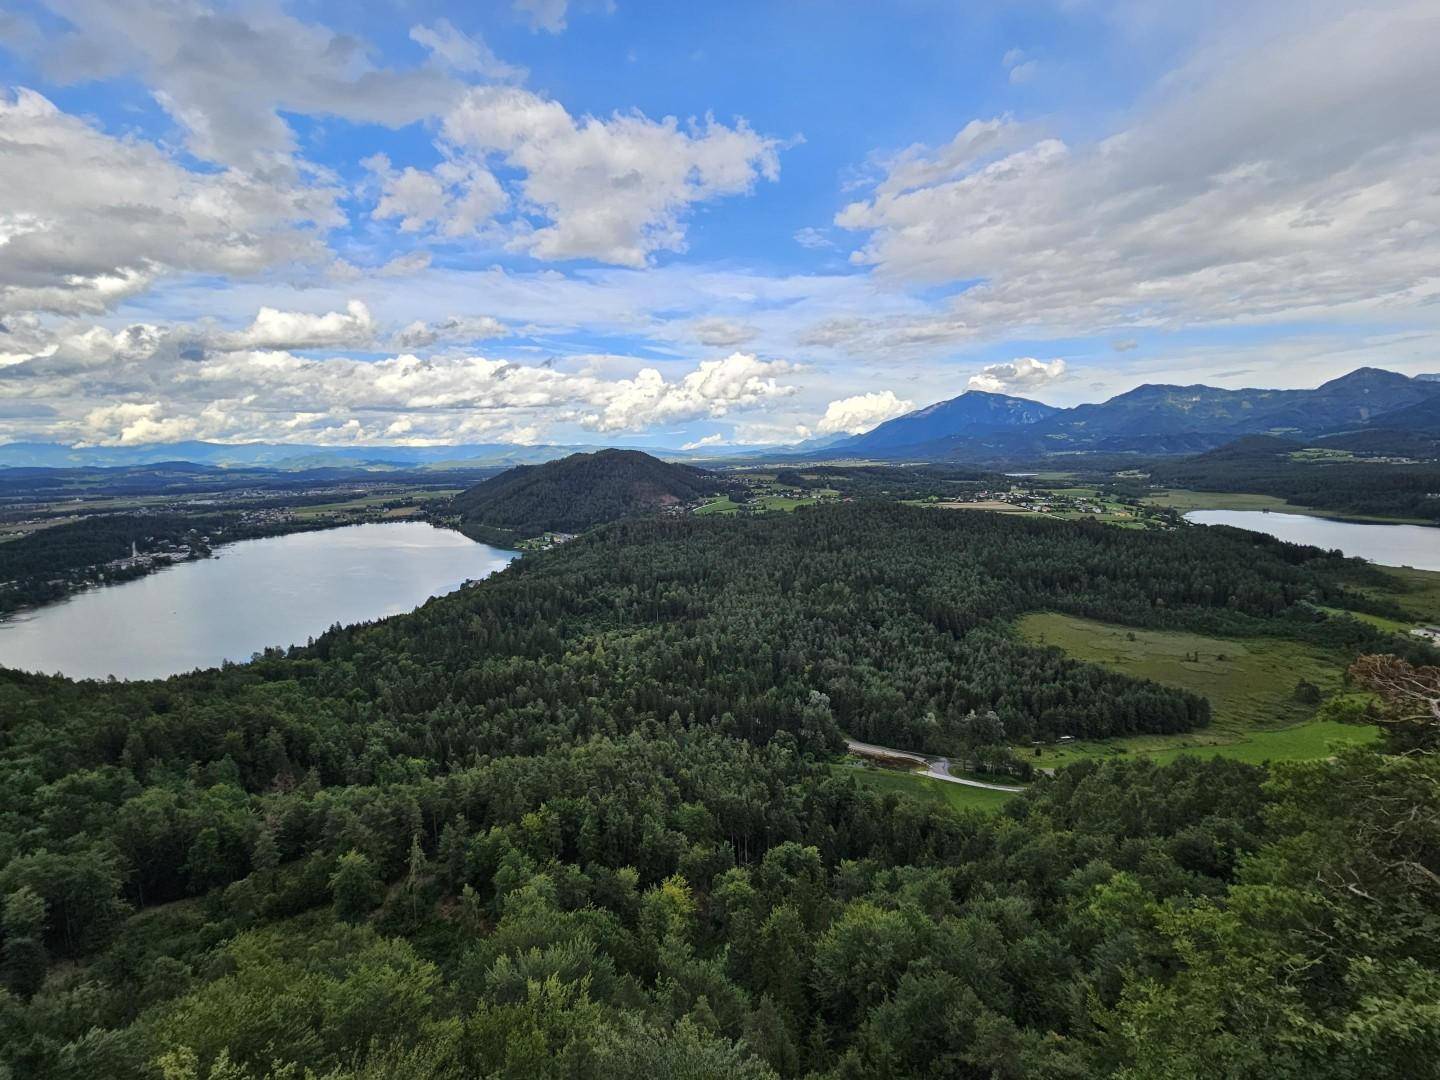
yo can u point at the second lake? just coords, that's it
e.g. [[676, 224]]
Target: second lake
[[1389, 545]]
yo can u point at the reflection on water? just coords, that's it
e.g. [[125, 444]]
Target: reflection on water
[[254, 594], [1390, 545]]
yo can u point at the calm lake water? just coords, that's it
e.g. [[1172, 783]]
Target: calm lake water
[[1391, 545], [253, 594]]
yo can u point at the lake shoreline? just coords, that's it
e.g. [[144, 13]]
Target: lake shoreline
[[1393, 544], [274, 592]]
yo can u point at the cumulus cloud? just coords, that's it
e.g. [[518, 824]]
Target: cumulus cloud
[[1276, 178], [87, 220], [1025, 373], [133, 423], [144, 383], [712, 389], [708, 440], [455, 197], [858, 414], [614, 189], [273, 329]]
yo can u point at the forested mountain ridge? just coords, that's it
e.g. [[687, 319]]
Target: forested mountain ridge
[[576, 493], [971, 412], [576, 821], [1159, 418]]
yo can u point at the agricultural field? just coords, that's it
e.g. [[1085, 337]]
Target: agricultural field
[[1251, 686], [722, 505], [393, 504]]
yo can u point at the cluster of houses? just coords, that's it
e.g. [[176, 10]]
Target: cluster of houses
[[1041, 502], [545, 541]]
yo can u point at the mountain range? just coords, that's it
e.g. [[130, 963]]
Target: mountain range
[[1154, 419], [1382, 408]]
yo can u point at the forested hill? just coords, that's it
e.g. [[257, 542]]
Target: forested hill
[[576, 493], [577, 821]]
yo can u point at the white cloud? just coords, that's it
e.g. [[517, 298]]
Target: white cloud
[[713, 389], [146, 383], [273, 329], [457, 197], [813, 238], [854, 415], [404, 265], [133, 423], [87, 220], [416, 198], [615, 189], [720, 333], [1025, 373], [708, 440], [464, 52], [1021, 68], [1276, 178], [421, 335], [226, 74], [547, 15]]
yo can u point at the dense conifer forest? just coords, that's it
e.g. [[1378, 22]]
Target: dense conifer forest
[[579, 820]]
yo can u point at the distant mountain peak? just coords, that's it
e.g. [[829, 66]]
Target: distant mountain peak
[[971, 412], [1365, 377]]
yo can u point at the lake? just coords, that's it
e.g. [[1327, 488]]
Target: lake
[[1390, 545], [253, 594]]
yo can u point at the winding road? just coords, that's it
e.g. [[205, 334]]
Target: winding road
[[937, 768]]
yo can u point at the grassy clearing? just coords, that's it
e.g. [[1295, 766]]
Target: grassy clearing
[[923, 787], [782, 502], [1417, 591], [1250, 685], [722, 505], [1380, 622], [1304, 742]]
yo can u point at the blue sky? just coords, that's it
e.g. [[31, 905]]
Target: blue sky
[[695, 225]]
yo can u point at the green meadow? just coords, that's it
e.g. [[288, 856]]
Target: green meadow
[[1251, 686]]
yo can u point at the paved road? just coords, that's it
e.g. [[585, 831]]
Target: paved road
[[937, 768]]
